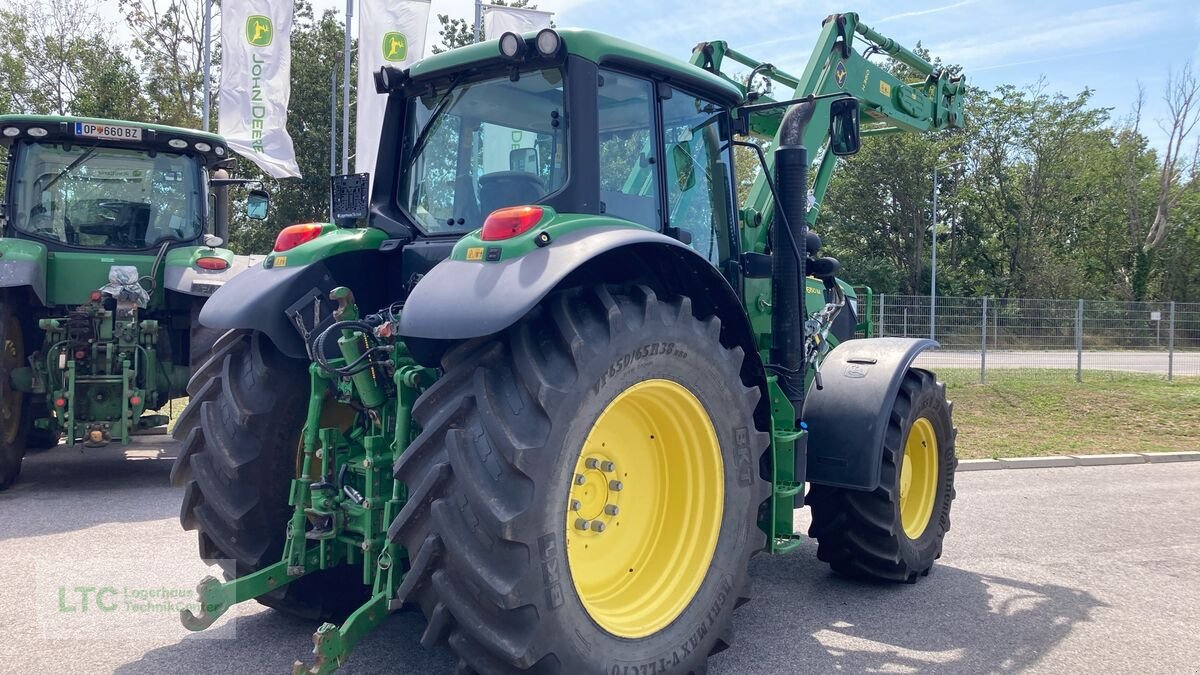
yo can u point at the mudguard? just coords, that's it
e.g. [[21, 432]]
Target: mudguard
[[460, 299], [23, 264], [257, 299], [849, 416], [190, 280]]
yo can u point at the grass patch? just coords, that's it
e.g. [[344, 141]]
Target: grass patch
[[1028, 412]]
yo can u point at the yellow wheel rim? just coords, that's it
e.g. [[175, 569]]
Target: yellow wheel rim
[[918, 478], [11, 400], [645, 507]]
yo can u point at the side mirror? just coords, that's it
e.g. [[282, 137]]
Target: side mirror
[[257, 203], [524, 159], [843, 126], [685, 170]]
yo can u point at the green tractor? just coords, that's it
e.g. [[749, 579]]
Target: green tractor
[[560, 388], [110, 246]]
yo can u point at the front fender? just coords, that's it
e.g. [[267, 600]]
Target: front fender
[[23, 264], [848, 417], [463, 299]]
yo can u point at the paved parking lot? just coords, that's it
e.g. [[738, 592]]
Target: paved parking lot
[[1084, 569]]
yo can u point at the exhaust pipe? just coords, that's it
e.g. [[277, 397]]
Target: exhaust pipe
[[788, 246]]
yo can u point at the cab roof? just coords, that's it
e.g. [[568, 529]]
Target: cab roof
[[600, 48], [62, 127]]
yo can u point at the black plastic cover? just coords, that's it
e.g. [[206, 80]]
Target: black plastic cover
[[849, 416], [459, 300]]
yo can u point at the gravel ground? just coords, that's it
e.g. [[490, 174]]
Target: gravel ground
[[1083, 569]]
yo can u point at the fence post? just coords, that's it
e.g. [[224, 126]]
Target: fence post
[[882, 297], [1079, 342], [905, 322], [1171, 343], [983, 344]]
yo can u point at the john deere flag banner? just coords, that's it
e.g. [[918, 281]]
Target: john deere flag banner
[[255, 82], [500, 20], [390, 33]]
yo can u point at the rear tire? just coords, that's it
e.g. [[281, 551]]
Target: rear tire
[[16, 410], [491, 482], [863, 534], [200, 340], [240, 433]]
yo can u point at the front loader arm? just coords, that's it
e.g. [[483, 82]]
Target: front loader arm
[[888, 105]]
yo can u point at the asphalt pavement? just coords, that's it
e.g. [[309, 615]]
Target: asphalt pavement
[[1082, 569]]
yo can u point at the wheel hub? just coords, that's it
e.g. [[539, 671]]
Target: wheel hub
[[644, 508], [918, 478], [11, 400]]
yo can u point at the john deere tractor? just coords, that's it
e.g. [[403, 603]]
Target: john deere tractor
[[561, 387], [110, 245]]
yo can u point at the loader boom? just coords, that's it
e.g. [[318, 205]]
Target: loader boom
[[888, 104]]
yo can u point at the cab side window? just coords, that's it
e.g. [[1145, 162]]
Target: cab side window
[[698, 172], [628, 142]]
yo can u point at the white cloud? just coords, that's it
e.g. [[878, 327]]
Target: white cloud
[[1045, 35], [923, 12]]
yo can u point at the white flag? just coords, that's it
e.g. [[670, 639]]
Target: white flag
[[390, 33], [256, 72], [500, 20]]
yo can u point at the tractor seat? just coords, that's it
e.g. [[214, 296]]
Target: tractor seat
[[508, 188]]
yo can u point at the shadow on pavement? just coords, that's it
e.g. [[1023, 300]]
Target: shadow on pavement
[[114, 484], [803, 619]]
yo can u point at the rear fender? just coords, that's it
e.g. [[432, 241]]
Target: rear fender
[[462, 299], [23, 265], [183, 276], [849, 416]]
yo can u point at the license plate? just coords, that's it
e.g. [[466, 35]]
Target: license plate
[[109, 131]]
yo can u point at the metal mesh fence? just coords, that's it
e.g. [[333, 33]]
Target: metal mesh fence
[[985, 333]]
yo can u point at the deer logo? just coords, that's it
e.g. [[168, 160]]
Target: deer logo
[[395, 46], [259, 31]]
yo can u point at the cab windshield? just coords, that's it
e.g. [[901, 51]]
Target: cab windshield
[[484, 145], [99, 197]]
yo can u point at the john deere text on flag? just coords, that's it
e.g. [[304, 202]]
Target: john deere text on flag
[[255, 83]]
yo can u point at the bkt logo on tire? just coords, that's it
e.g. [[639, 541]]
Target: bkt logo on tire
[[395, 46], [259, 31]]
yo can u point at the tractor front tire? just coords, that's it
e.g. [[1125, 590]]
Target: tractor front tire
[[895, 532], [16, 411], [584, 492], [240, 433]]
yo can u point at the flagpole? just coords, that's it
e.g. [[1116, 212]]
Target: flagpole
[[478, 18], [207, 63], [346, 92]]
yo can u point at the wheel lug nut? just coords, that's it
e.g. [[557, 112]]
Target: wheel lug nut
[[575, 505], [612, 509], [579, 479], [597, 526], [615, 485], [581, 524], [591, 463], [608, 467]]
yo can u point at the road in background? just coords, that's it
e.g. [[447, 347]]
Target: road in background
[[1056, 570], [1186, 363]]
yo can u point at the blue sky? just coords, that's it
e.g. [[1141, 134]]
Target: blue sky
[[1107, 46]]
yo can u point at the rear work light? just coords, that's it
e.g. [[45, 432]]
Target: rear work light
[[508, 222], [293, 235], [211, 263]]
